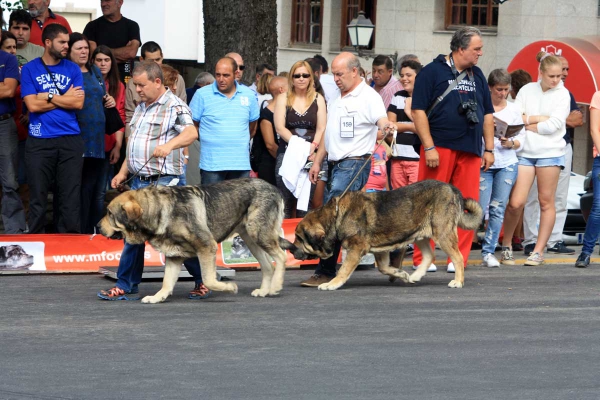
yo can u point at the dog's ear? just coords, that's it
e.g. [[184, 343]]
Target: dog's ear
[[319, 235], [132, 210]]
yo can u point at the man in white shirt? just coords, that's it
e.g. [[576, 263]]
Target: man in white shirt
[[353, 120]]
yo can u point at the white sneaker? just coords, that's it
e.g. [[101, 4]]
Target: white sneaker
[[432, 268], [451, 268], [490, 261]]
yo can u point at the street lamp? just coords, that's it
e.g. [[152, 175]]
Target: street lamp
[[360, 30]]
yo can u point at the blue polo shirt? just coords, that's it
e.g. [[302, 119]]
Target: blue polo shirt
[[448, 127], [35, 79], [224, 131], [9, 68]]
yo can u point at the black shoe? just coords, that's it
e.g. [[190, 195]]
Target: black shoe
[[583, 260], [528, 248], [475, 246], [560, 248]]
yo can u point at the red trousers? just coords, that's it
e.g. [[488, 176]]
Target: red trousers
[[462, 170]]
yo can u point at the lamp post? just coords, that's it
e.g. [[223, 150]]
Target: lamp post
[[360, 30]]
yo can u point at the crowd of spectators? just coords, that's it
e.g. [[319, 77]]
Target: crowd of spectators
[[306, 131]]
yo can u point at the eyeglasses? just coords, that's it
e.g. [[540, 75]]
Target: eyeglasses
[[241, 67], [298, 76]]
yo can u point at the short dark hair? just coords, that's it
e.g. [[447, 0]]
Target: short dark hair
[[150, 47], [314, 64], [51, 31], [323, 62], [7, 35], [461, 39], [383, 60], [412, 64], [20, 17], [260, 68], [519, 78], [152, 70], [76, 37]]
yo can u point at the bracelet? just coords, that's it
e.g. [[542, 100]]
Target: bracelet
[[316, 145], [429, 148], [513, 144], [489, 151], [186, 157]]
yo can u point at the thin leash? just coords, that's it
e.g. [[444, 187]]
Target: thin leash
[[364, 165]]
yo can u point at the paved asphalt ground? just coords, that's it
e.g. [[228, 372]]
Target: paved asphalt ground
[[512, 333]]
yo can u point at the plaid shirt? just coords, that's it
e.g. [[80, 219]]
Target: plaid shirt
[[154, 125]]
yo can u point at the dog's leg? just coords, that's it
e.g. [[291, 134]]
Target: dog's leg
[[265, 264], [352, 260], [427, 253], [207, 257], [172, 268], [383, 261], [449, 245]]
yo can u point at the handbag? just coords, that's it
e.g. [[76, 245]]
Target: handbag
[[113, 121]]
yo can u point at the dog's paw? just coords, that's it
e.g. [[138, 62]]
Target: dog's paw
[[232, 287], [415, 277], [455, 284], [330, 286], [259, 293], [153, 299]]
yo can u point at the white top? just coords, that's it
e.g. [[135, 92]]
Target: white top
[[329, 87], [363, 107], [554, 103], [504, 157]]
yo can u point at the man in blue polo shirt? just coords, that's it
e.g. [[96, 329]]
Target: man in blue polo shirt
[[52, 90], [13, 215], [226, 113]]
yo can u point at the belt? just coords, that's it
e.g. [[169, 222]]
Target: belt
[[5, 116], [153, 178], [363, 157]]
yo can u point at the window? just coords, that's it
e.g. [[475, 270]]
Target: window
[[307, 16], [482, 14], [350, 9]]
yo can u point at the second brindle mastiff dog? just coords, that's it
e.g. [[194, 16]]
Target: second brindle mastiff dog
[[384, 221], [189, 221]]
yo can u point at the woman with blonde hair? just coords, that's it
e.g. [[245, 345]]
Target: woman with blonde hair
[[545, 106], [300, 112]]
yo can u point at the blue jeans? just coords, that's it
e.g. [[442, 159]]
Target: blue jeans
[[131, 264], [494, 190], [341, 175], [592, 228], [208, 177]]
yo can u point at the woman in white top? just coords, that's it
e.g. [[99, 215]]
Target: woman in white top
[[545, 106], [497, 182]]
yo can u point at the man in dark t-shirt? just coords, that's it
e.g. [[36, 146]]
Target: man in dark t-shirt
[[121, 34]]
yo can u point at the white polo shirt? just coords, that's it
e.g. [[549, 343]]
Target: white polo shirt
[[352, 123]]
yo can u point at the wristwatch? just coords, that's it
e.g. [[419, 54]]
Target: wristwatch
[[50, 97]]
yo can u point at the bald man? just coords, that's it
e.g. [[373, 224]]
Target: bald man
[[353, 120], [240, 65], [227, 113]]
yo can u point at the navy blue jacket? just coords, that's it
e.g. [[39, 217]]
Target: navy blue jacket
[[448, 128]]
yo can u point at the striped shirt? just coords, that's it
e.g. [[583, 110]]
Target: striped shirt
[[388, 91], [224, 127], [154, 125]]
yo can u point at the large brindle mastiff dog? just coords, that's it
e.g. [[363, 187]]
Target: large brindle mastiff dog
[[384, 221], [189, 221]]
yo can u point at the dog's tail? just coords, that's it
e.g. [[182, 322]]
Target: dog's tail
[[471, 219]]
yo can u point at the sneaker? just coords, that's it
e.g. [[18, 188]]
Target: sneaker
[[507, 256], [583, 260], [116, 293], [534, 259], [199, 292], [490, 261], [432, 268], [316, 280], [451, 268], [560, 248], [528, 248]]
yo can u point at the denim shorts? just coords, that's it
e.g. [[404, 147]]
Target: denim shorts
[[543, 162]]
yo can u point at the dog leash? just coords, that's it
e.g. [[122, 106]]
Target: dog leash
[[363, 166], [138, 172]]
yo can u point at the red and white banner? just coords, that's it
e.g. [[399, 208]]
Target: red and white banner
[[87, 253]]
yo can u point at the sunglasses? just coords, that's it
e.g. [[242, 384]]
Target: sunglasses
[[241, 67], [298, 76]]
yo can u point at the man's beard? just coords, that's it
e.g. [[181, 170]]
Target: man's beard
[[35, 13], [57, 55]]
